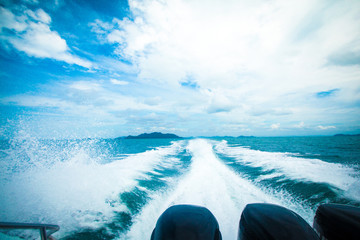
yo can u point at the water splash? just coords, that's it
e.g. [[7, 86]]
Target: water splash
[[74, 184]]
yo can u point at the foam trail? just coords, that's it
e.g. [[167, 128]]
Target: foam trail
[[297, 168], [76, 193], [212, 184]]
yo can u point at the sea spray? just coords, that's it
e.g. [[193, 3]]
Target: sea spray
[[67, 184]]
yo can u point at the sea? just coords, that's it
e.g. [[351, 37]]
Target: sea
[[117, 188]]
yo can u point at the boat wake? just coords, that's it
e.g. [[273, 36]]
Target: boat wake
[[120, 195], [210, 183]]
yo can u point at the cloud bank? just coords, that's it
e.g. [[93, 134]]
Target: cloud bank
[[200, 67], [249, 60]]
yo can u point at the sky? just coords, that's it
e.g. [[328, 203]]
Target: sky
[[88, 68]]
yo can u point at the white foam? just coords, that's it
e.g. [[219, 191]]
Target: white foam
[[305, 169], [212, 184], [269, 176], [79, 192], [353, 191]]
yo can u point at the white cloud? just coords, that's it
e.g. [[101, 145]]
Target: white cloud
[[85, 86], [252, 56], [118, 82], [99, 95], [39, 15], [10, 21], [84, 99], [254, 47], [275, 126], [325, 127], [218, 102], [34, 36], [31, 1]]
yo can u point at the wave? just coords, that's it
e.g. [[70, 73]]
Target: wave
[[296, 168]]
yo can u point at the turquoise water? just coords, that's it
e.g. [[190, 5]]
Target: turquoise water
[[117, 188]]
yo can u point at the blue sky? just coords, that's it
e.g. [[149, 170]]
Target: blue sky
[[195, 68]]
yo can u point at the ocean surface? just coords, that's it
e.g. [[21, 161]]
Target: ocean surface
[[117, 188]]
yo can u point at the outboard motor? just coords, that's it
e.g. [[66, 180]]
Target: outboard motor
[[186, 222], [337, 221], [260, 221]]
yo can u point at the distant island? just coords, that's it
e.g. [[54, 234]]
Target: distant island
[[153, 135], [342, 135]]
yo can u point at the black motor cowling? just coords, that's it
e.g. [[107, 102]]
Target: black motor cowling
[[337, 221], [260, 221], [186, 222]]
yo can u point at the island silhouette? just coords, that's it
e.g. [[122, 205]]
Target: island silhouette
[[153, 135]]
